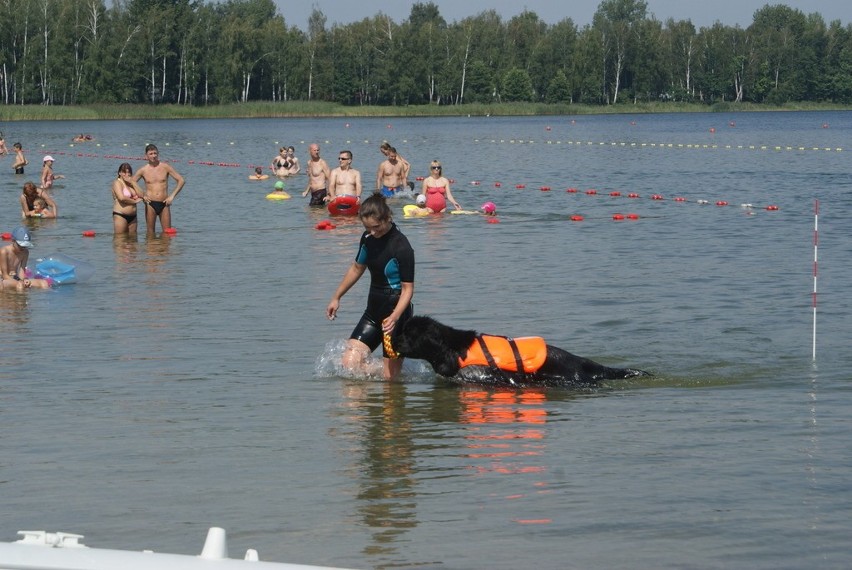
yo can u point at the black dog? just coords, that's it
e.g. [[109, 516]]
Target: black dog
[[466, 356]]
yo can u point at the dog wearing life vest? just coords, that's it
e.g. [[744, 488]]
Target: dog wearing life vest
[[467, 356]]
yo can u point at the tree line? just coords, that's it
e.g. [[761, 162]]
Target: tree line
[[66, 52]]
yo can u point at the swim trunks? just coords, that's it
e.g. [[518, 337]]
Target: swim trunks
[[19, 170], [158, 207], [129, 217], [318, 197], [388, 192]]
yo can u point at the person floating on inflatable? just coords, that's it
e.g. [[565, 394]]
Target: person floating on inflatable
[[13, 264], [258, 174], [417, 209], [278, 193]]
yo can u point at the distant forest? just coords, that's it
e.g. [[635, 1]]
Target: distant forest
[[67, 52]]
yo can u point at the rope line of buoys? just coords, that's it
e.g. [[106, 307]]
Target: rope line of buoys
[[685, 146]]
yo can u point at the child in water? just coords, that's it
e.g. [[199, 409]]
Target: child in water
[[42, 209], [258, 174], [20, 160]]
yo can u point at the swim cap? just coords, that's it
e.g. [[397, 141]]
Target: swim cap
[[420, 200], [48, 157], [279, 185], [488, 207]]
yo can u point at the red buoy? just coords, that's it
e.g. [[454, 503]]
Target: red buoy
[[89, 233], [721, 203], [771, 208], [591, 192], [7, 236], [497, 184], [633, 195], [618, 216], [571, 190], [680, 199], [632, 216], [493, 221], [576, 218], [520, 186], [615, 194], [545, 188], [656, 196], [171, 231]]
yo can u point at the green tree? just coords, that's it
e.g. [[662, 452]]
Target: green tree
[[517, 86], [559, 90]]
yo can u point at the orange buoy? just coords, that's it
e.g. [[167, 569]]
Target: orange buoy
[[325, 225], [632, 216], [576, 218], [618, 216], [656, 196], [633, 195], [721, 203], [615, 194], [771, 208], [89, 233]]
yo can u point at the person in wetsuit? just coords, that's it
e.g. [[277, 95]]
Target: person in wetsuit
[[387, 254]]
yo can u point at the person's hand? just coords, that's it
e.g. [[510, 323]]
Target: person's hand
[[331, 310], [388, 324]]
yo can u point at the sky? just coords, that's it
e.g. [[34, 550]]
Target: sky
[[701, 12]]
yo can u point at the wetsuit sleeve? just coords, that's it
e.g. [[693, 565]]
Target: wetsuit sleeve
[[361, 256], [406, 265]]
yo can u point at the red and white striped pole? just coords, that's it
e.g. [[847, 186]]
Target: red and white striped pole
[[816, 244]]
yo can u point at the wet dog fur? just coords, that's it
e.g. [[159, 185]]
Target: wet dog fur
[[442, 346]]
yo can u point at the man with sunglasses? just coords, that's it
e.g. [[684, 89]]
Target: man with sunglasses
[[344, 180]]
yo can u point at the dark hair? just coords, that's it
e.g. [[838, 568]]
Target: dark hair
[[349, 152], [150, 147], [30, 193], [375, 207], [124, 166]]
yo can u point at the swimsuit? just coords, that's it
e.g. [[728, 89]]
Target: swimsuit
[[318, 197], [158, 207], [388, 192], [435, 198], [129, 217], [19, 170], [390, 260]]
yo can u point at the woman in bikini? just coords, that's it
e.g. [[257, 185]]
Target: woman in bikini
[[436, 188], [126, 195]]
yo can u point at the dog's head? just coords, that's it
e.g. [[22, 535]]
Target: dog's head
[[427, 339]]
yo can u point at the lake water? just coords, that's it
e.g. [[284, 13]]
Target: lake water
[[190, 383]]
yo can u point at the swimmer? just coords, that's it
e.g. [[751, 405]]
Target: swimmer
[[281, 163], [318, 175], [489, 209], [279, 190], [28, 197], [295, 167], [420, 202], [436, 188], [390, 176], [344, 180], [3, 150], [258, 174], [42, 209], [20, 160], [157, 198], [47, 175], [126, 196]]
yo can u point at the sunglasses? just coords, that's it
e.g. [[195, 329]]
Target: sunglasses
[[343, 158], [436, 168]]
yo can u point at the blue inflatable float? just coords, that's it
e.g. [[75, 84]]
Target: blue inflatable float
[[62, 269]]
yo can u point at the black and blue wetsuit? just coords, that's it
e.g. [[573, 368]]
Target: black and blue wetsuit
[[390, 260]]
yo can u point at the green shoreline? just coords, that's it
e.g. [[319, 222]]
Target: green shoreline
[[306, 109]]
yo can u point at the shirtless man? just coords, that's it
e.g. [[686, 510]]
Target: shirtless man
[[344, 180], [20, 160], [13, 263], [157, 199], [390, 177], [318, 175]]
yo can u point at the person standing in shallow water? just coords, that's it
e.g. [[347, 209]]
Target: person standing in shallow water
[[387, 254], [318, 175], [157, 199]]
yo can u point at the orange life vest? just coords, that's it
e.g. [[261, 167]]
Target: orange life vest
[[525, 354]]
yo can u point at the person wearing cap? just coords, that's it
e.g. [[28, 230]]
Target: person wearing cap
[[489, 209], [420, 201], [158, 200], [13, 263], [28, 197], [344, 180], [258, 174], [47, 175], [279, 190]]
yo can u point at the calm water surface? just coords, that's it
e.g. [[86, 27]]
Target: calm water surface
[[191, 382]]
